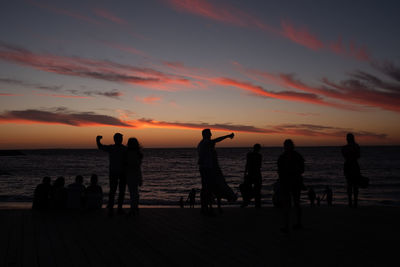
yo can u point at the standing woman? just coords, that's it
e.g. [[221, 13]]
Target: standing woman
[[351, 154], [134, 158]]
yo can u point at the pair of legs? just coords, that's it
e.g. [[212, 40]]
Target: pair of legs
[[289, 195], [134, 196], [207, 189], [256, 190], [116, 180], [352, 190]]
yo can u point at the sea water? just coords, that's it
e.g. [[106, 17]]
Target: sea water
[[169, 174]]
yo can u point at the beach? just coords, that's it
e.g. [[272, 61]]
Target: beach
[[332, 236]]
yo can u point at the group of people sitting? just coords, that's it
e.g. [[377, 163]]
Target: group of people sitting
[[73, 197]]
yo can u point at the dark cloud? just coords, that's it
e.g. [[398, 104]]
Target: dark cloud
[[30, 84], [61, 116]]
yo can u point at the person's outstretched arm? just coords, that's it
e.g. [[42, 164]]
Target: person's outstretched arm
[[219, 139]]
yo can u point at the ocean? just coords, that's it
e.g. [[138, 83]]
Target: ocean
[[169, 174]]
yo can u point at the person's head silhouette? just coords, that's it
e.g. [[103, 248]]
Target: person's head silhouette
[[118, 138], [288, 145], [350, 138], [257, 147], [133, 144], [206, 134]]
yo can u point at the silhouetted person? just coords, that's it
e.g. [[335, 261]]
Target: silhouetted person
[[94, 194], [351, 154], [59, 194], [290, 169], [212, 180], [328, 195], [311, 196], [134, 157], [41, 195], [181, 204], [252, 174], [76, 194], [192, 198], [117, 174]]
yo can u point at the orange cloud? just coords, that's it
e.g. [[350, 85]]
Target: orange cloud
[[148, 99], [66, 117]]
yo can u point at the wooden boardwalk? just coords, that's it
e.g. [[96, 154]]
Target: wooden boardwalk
[[182, 237]]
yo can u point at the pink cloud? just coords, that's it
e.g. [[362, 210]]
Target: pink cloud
[[94, 69], [301, 36], [109, 16], [351, 50], [364, 90], [285, 95]]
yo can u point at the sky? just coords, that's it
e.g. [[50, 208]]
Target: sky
[[163, 70]]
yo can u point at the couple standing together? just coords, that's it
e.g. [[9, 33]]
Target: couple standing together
[[125, 169]]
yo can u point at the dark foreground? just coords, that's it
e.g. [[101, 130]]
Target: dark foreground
[[336, 236]]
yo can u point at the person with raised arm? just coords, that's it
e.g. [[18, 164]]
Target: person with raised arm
[[212, 181], [117, 176]]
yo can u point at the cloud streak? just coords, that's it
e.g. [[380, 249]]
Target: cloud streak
[[363, 89], [64, 116], [60, 116], [283, 95], [94, 69], [106, 14], [300, 35]]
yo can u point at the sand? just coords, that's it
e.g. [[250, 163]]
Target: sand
[[333, 236]]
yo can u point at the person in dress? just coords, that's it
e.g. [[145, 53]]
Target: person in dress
[[134, 157], [212, 180]]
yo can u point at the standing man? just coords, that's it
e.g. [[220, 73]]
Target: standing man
[[117, 176], [290, 170], [209, 168]]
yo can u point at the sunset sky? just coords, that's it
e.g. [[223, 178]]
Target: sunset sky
[[162, 70]]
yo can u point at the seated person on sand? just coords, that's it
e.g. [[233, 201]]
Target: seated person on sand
[[59, 194], [41, 195], [76, 194], [94, 194]]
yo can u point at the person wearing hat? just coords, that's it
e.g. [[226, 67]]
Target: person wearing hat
[[117, 176]]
